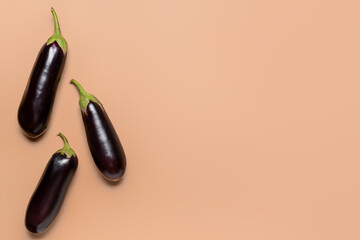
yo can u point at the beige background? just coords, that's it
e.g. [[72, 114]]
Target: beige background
[[240, 119]]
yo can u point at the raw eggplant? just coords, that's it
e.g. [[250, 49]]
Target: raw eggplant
[[50, 192], [39, 95], [103, 141]]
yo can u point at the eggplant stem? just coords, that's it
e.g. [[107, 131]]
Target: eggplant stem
[[66, 143], [56, 22], [85, 97], [79, 87], [57, 37], [66, 149]]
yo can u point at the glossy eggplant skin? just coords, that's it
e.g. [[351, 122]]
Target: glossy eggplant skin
[[38, 99], [104, 143], [50, 192]]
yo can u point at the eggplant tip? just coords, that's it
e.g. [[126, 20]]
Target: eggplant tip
[[113, 179], [33, 136]]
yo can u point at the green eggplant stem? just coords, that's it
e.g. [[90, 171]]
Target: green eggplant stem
[[56, 22], [57, 34], [66, 149], [79, 87], [85, 97]]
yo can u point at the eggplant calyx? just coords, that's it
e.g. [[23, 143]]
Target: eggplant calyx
[[67, 150], [57, 34], [85, 97]]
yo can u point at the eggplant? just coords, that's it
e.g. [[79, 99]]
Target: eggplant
[[39, 95], [50, 192], [103, 141]]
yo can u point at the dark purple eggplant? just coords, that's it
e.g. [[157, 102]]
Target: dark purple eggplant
[[38, 99], [104, 143], [50, 192]]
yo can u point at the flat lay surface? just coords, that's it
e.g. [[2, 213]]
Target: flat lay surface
[[239, 119]]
